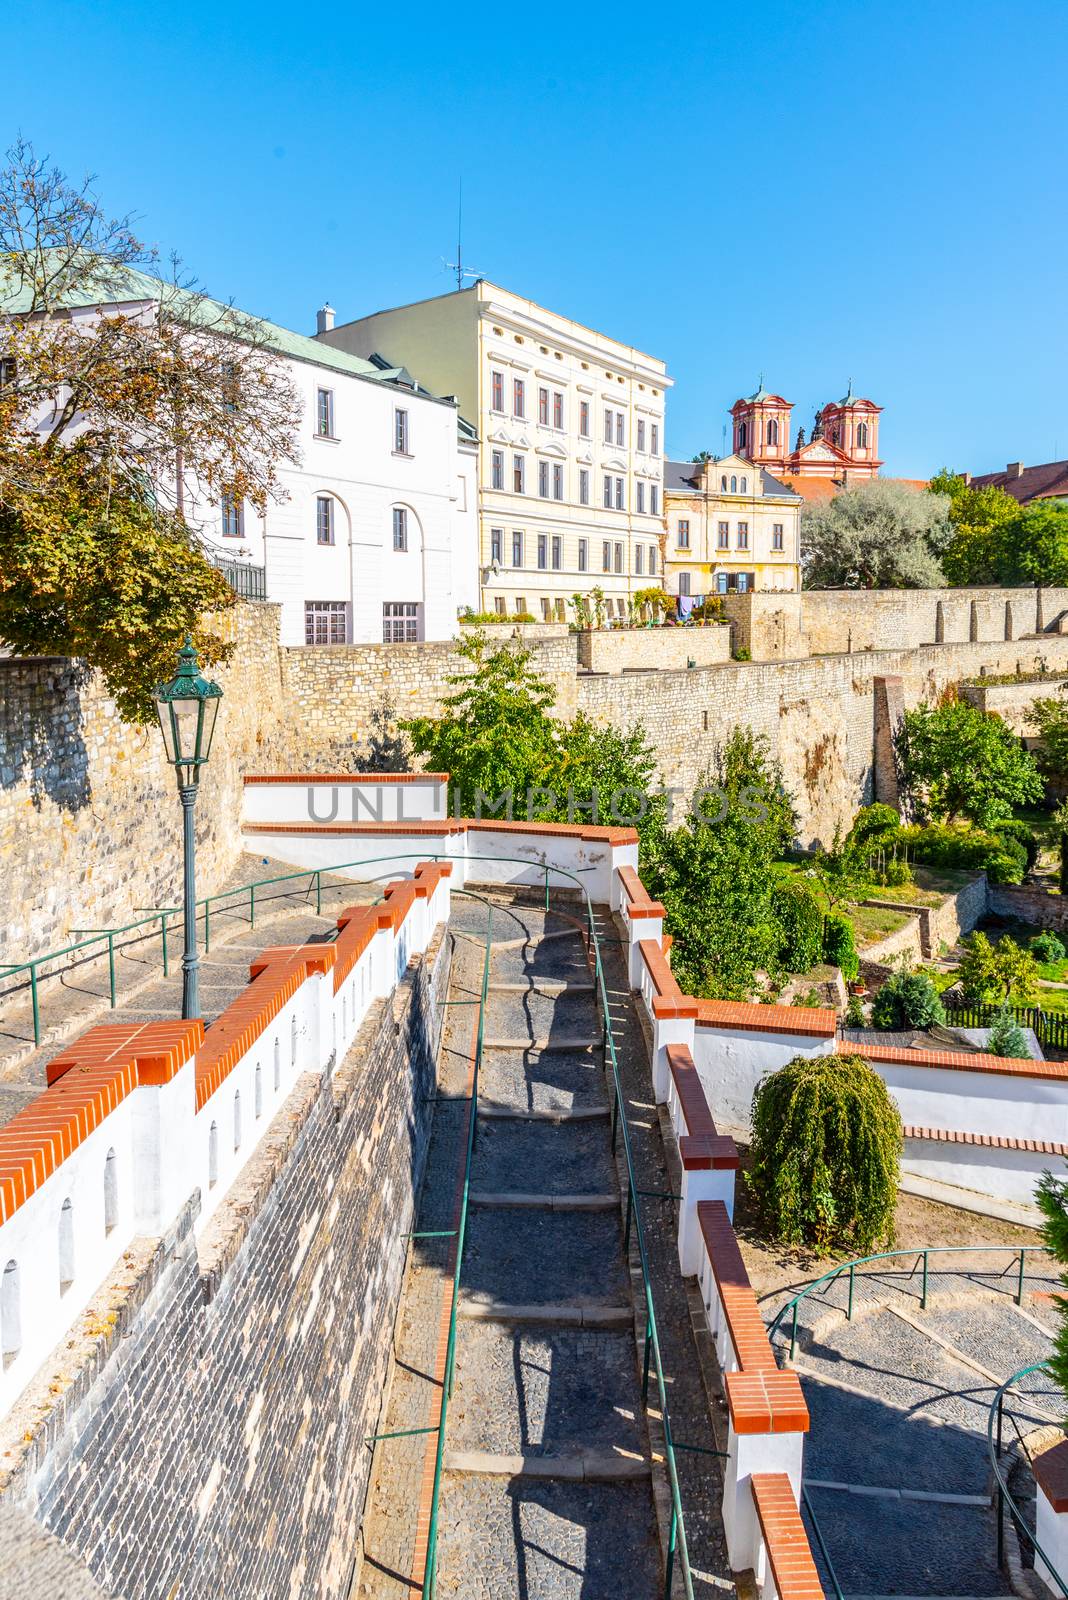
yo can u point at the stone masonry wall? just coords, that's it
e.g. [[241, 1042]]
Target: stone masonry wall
[[90, 825], [840, 619], [1014, 703], [633, 649], [202, 1433]]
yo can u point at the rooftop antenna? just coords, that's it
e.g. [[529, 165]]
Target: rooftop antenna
[[457, 266]]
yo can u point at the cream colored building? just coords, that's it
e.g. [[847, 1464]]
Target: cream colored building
[[731, 526], [571, 431]]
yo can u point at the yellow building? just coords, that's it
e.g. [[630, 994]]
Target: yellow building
[[731, 527]]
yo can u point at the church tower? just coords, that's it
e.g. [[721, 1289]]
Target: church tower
[[852, 426], [762, 428]]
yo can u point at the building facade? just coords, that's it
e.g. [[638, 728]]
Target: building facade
[[731, 527], [1025, 484], [843, 449], [571, 442]]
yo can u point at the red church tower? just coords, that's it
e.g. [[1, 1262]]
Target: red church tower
[[762, 428], [843, 449]]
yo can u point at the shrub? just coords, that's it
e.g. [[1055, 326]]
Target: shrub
[[825, 1151], [839, 945], [742, 653], [797, 911], [1022, 834], [1004, 860], [1006, 1037], [991, 974], [854, 1016], [1046, 947], [907, 1000], [896, 873]]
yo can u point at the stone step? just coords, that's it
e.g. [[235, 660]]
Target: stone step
[[553, 988], [540, 939], [564, 1042], [577, 1313], [551, 1202], [493, 1108], [580, 1466]]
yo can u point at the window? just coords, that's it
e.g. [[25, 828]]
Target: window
[[558, 481], [652, 560], [641, 433], [213, 1155], [237, 1120], [862, 435], [400, 433], [293, 1041], [111, 1191], [543, 406], [619, 558], [497, 391], [639, 560], [620, 423], [546, 610], [520, 605], [654, 499], [517, 547], [543, 479], [400, 528], [608, 494], [558, 552], [723, 539], [324, 519], [10, 1314], [558, 409], [619, 494], [497, 469], [608, 428], [684, 583], [773, 432], [584, 419], [584, 487], [518, 473], [258, 1107], [400, 621], [543, 551], [584, 555], [66, 1246], [743, 435], [743, 536], [743, 583], [496, 544], [8, 369], [606, 557], [233, 517], [745, 486], [326, 622], [734, 485], [640, 491], [519, 398], [777, 536], [721, 583], [500, 605], [654, 440], [683, 534], [723, 483], [324, 413]]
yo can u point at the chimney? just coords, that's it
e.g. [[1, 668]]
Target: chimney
[[967, 477], [1014, 469], [324, 318]]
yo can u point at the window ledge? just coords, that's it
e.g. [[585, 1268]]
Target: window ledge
[[327, 438], [405, 455]]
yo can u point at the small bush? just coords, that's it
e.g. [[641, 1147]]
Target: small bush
[[895, 873], [742, 653], [1046, 947], [826, 1146], [1022, 835], [1004, 860], [1006, 1038], [854, 1016], [797, 911], [907, 1000], [839, 945]]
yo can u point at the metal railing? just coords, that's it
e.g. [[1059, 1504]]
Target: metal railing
[[245, 579], [993, 1441], [1050, 1027], [1019, 1255]]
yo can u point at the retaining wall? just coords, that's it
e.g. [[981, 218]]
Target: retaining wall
[[616, 650]]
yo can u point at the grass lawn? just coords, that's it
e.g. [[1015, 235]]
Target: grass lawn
[[872, 923], [1053, 1000]]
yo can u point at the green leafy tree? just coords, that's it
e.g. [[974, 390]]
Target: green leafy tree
[[907, 1000], [840, 945], [1051, 719], [956, 761], [992, 974], [825, 1153], [1052, 1199], [977, 518], [878, 535], [800, 919], [1007, 1038], [605, 774], [495, 732]]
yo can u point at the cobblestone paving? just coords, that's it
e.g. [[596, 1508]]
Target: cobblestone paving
[[551, 1080], [515, 1156]]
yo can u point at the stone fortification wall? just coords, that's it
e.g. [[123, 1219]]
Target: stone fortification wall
[[887, 619], [1014, 703], [205, 1431], [635, 649]]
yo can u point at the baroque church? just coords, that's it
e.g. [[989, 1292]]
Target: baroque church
[[843, 448]]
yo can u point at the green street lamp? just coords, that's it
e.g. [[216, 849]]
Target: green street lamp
[[187, 708]]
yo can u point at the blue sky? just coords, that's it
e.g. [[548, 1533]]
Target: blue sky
[[811, 191]]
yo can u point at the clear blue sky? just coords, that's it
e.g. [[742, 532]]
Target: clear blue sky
[[814, 191]]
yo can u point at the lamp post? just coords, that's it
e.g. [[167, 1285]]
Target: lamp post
[[187, 708]]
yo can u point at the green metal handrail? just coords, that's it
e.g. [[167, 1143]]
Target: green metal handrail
[[1004, 1495], [888, 1255]]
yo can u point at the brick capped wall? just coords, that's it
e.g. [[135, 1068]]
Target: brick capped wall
[[202, 1432]]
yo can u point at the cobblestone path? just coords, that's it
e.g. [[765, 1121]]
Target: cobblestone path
[[547, 1490]]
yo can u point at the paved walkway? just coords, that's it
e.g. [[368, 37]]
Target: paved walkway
[[896, 1464], [548, 1488]]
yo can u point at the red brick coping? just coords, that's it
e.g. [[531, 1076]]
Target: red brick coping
[[701, 1147], [668, 1000], [1051, 1475], [986, 1141], [639, 903], [449, 826], [785, 1539], [766, 1402], [347, 777], [808, 1021], [748, 1334], [961, 1062]]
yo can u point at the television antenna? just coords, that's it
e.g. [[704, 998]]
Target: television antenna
[[457, 266]]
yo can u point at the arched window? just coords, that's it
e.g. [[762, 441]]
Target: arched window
[[66, 1247], [745, 485], [743, 435], [213, 1155], [237, 1120], [862, 435], [259, 1091], [111, 1191], [723, 483], [773, 432], [734, 484], [277, 1064], [10, 1314]]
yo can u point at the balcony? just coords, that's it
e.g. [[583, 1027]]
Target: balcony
[[246, 580]]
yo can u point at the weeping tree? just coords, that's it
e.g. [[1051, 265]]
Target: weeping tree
[[1052, 1198], [825, 1151]]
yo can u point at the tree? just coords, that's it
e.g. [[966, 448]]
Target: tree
[[1052, 1199], [993, 974], [606, 774], [956, 761], [797, 911], [976, 518], [907, 1000], [1007, 1038], [701, 457], [1051, 719], [878, 535], [825, 1151]]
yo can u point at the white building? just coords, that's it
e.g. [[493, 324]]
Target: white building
[[376, 537], [571, 441]]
